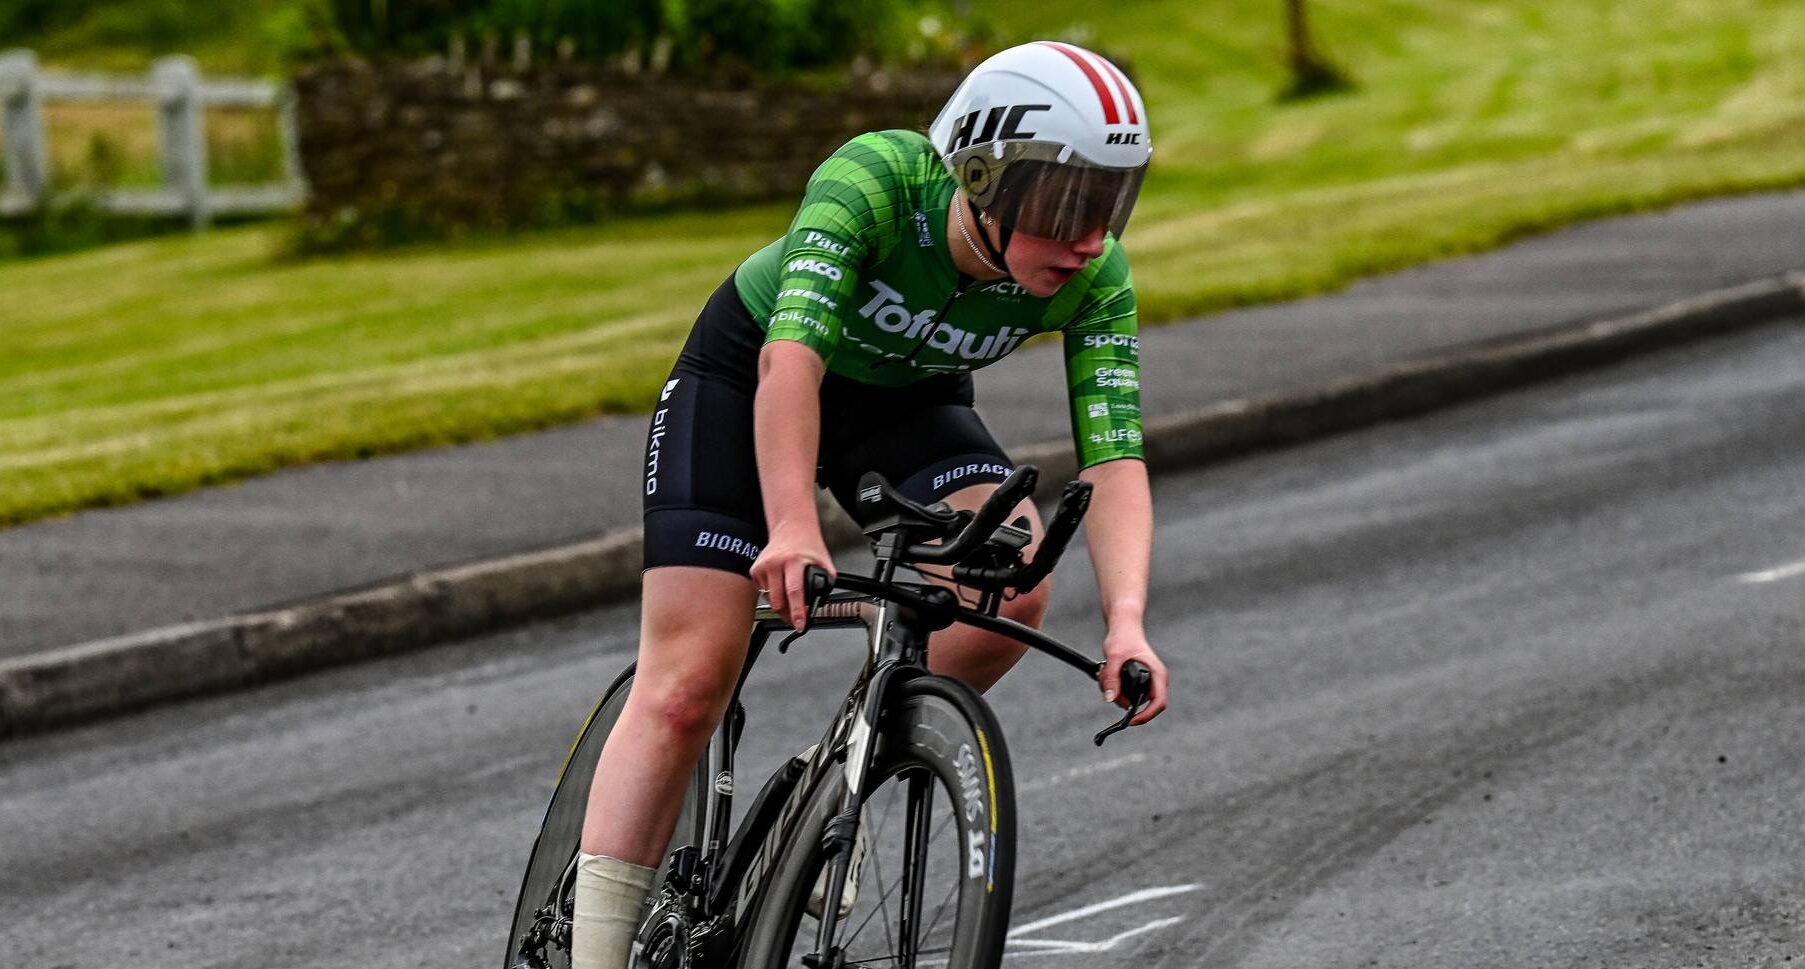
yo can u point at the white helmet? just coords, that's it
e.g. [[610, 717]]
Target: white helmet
[[1048, 138]]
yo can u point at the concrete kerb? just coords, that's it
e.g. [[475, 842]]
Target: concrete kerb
[[104, 677]]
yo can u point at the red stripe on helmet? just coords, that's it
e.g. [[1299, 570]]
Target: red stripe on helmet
[[1115, 74], [1103, 95]]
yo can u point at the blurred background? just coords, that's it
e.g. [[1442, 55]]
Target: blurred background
[[240, 235]]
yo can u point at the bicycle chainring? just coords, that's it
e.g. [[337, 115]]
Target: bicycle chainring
[[671, 937]]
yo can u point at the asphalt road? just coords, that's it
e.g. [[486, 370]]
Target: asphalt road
[[1520, 684]]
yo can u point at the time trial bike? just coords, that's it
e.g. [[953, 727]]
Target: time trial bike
[[891, 842]]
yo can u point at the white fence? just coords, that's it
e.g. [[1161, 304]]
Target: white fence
[[175, 89]]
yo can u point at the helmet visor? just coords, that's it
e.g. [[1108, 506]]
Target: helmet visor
[[1042, 197]]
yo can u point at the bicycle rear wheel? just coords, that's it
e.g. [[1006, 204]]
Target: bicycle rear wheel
[[939, 828], [540, 937]]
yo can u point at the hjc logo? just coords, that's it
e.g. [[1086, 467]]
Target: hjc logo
[[1123, 138], [1008, 118]]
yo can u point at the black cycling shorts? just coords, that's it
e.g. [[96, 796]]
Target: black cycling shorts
[[702, 500]]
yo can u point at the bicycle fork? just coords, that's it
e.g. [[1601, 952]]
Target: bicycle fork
[[902, 657]]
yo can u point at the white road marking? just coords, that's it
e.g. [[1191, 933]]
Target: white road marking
[[1774, 575], [1019, 947], [1133, 898], [1085, 771], [1050, 947]]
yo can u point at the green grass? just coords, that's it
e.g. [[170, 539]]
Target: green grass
[[225, 36], [152, 367]]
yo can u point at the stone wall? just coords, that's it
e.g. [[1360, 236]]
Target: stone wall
[[424, 149]]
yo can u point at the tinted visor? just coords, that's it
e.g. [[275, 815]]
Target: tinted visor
[[1065, 202]]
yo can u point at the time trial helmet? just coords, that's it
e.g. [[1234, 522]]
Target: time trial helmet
[[1048, 138]]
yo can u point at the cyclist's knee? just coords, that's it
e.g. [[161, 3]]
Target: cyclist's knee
[[686, 711], [1029, 608], [692, 644]]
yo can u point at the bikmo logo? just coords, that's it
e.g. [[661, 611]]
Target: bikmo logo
[[887, 310], [825, 270], [655, 444]]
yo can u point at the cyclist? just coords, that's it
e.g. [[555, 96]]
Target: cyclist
[[846, 346]]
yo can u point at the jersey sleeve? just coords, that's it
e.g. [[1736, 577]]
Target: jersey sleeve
[[1103, 370], [845, 210]]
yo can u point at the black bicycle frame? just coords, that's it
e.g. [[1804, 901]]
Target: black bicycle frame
[[732, 869]]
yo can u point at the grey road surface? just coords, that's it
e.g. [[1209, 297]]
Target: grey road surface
[[1520, 684]]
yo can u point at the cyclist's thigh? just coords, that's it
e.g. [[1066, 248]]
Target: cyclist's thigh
[[704, 519], [932, 445], [925, 439], [701, 494]]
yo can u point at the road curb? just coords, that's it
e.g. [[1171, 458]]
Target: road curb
[[104, 677]]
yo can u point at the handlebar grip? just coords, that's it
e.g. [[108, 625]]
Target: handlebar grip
[[816, 584], [1137, 688], [1137, 682]]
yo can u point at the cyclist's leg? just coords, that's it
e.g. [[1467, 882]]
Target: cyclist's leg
[[704, 525], [692, 645]]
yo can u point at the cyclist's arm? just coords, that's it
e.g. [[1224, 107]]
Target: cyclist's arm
[[835, 229], [1119, 532], [786, 420], [1103, 373]]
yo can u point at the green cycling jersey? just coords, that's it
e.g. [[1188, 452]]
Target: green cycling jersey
[[864, 277]]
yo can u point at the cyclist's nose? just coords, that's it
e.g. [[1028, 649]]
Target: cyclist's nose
[[1089, 246]]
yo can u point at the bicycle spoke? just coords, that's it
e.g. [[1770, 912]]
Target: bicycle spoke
[[896, 960], [915, 833], [883, 895], [924, 831], [941, 910]]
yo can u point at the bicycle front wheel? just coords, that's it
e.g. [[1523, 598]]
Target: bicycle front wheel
[[540, 938], [934, 879]]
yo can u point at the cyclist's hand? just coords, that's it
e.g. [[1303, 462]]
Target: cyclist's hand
[[778, 571], [1119, 648]]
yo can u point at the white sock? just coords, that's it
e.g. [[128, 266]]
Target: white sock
[[610, 895]]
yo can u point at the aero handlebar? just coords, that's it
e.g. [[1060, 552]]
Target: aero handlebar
[[1136, 678]]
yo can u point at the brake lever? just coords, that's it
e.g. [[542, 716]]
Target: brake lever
[[816, 585], [1137, 686]]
